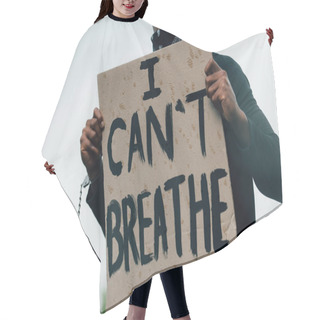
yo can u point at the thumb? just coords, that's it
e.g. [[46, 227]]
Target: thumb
[[211, 67]]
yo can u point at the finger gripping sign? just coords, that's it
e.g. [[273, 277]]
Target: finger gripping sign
[[167, 190]]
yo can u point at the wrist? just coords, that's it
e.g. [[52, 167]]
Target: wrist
[[94, 177], [236, 116], [95, 173]]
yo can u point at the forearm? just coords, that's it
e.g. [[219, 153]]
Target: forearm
[[253, 141], [95, 199], [240, 126], [261, 156], [263, 159]]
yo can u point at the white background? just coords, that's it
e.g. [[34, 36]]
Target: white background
[[48, 269]]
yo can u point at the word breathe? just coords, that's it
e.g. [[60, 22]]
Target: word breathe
[[126, 222], [125, 237]]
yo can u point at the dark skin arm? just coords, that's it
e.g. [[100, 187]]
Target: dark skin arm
[[90, 144], [220, 92]]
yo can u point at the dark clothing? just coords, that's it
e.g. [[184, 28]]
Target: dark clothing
[[140, 295], [260, 161], [172, 281]]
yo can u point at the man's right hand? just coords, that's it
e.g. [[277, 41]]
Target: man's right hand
[[90, 144]]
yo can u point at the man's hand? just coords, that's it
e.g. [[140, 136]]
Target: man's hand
[[90, 144], [220, 92]]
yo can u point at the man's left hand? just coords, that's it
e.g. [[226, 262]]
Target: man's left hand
[[220, 92]]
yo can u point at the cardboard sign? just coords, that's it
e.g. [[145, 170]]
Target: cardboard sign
[[168, 197]]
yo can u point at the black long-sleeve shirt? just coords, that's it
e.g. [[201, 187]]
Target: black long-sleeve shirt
[[260, 161]]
